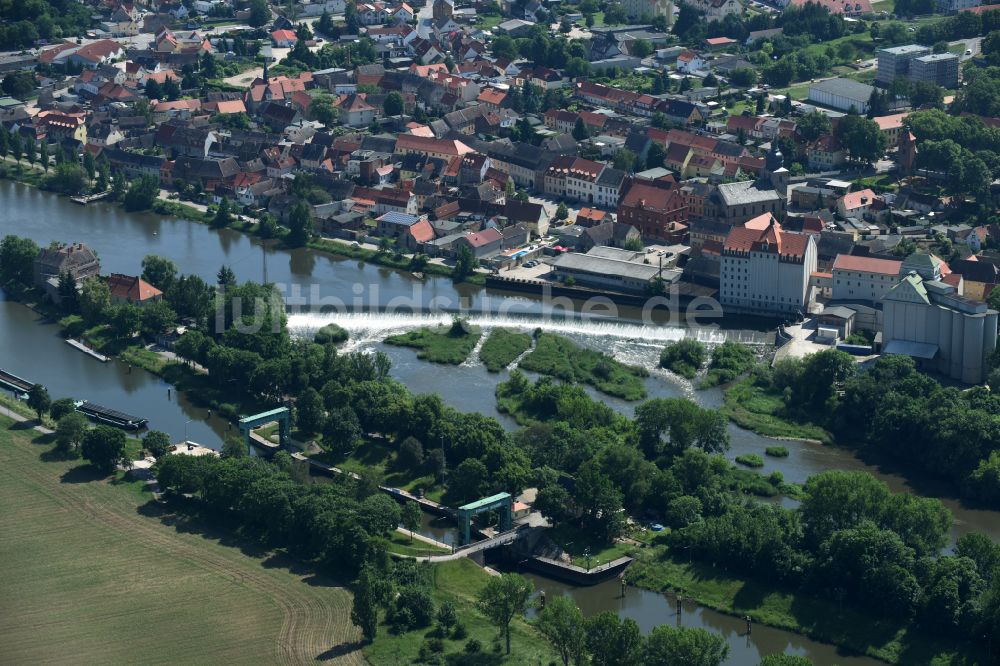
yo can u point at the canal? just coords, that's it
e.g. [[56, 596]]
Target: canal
[[34, 350]]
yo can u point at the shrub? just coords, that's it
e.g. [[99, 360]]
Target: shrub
[[331, 333], [683, 357], [776, 451], [750, 460]]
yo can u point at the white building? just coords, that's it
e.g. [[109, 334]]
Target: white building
[[942, 331], [841, 94], [863, 278], [645, 10], [766, 270]]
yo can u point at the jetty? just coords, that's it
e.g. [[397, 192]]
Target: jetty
[[87, 198], [12, 382], [87, 350], [110, 416]]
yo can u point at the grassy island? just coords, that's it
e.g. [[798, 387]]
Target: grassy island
[[502, 348], [559, 357], [441, 344]]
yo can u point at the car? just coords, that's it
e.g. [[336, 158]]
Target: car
[[319, 40], [656, 527], [968, 51]]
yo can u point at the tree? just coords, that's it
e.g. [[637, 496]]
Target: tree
[[89, 164], [466, 262], [225, 278], [159, 272], [671, 425], [325, 24], [142, 193], [743, 77], [222, 216], [18, 84], [70, 429], [562, 212], [655, 156], [39, 400], [641, 48], [61, 407], [342, 430], [16, 147], [17, 260], [300, 225], [670, 646], [234, 447], [364, 610], [157, 317], [562, 623], [125, 320], [379, 514], [862, 138], [104, 448], [784, 660], [684, 357], [157, 443], [95, 300], [813, 125], [502, 598], [625, 160], [613, 641], [68, 178], [926, 93], [260, 13], [322, 109], [393, 104], [309, 411], [410, 517], [580, 132]]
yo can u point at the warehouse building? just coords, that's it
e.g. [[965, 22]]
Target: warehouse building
[[841, 94]]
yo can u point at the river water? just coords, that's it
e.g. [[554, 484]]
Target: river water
[[361, 294]]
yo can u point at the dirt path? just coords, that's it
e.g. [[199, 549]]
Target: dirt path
[[315, 617]]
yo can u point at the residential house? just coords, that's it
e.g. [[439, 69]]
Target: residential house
[[132, 290]]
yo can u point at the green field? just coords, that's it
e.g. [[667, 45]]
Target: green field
[[441, 344], [95, 573], [502, 348], [458, 582], [752, 408], [559, 357]]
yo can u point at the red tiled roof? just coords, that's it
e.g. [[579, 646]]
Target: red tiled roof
[[853, 200], [849, 262], [772, 239], [133, 289], [483, 237]]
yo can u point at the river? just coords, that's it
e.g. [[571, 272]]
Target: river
[[34, 350]]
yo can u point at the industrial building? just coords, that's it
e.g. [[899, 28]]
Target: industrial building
[[841, 94]]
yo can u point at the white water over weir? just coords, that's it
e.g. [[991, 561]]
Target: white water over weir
[[371, 324]]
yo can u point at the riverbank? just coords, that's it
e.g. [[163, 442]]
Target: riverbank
[[883, 638], [170, 208], [751, 407]]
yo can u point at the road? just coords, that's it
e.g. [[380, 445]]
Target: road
[[974, 44], [424, 18]]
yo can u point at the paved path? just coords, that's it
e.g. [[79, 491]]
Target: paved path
[[14, 416]]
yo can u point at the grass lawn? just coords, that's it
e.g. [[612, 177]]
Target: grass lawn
[[487, 22], [559, 357], [459, 582], [502, 348], [881, 637], [752, 408], [442, 344], [96, 571], [578, 543], [401, 544]]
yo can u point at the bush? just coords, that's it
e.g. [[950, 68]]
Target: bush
[[750, 460], [776, 451], [729, 361], [683, 357], [331, 333], [473, 646]]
